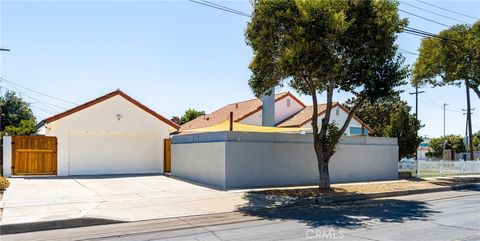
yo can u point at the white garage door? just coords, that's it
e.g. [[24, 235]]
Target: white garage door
[[92, 154]]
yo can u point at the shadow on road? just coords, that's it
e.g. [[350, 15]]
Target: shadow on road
[[351, 215]]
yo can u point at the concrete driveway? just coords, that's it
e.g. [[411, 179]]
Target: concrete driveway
[[123, 198]]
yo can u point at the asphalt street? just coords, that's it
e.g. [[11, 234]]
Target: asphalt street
[[453, 215]]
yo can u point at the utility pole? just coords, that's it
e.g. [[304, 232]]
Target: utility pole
[[469, 123], [444, 105], [416, 108], [416, 99]]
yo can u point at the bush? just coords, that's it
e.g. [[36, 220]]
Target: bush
[[4, 183]]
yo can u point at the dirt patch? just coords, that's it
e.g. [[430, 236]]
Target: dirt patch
[[368, 188]]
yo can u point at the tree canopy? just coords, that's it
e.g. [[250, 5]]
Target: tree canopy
[[390, 117], [189, 115], [454, 142], [17, 118], [452, 59], [321, 46]]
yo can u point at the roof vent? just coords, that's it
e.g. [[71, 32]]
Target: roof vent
[[236, 106], [208, 118]]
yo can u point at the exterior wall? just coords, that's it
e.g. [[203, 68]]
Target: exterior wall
[[282, 111], [101, 118], [200, 162], [339, 120], [7, 156], [266, 159]]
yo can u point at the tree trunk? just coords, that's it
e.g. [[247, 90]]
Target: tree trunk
[[324, 175]]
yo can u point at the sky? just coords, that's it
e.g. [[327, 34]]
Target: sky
[[175, 55]]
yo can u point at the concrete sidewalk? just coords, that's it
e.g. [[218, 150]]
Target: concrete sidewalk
[[129, 198], [55, 202]]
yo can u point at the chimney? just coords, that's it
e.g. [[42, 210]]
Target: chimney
[[268, 109]]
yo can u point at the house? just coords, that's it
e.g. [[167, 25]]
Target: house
[[113, 134], [289, 112]]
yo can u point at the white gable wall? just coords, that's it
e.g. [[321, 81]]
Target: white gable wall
[[100, 120], [339, 120], [282, 111]]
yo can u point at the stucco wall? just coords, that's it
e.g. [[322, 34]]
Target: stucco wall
[[101, 119], [265, 159]]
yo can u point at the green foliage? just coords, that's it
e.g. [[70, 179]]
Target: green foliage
[[404, 126], [453, 61], [4, 183], [476, 141], [390, 117], [322, 46], [16, 115], [189, 115], [26, 127], [451, 142]]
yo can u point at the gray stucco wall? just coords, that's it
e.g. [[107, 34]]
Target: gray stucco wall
[[245, 160]]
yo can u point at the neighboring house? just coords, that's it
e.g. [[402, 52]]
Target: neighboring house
[[423, 148], [113, 134], [289, 112]]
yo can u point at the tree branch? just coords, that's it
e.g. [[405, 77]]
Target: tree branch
[[347, 121]]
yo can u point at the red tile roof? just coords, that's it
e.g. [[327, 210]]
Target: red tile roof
[[241, 110], [106, 97], [304, 116]]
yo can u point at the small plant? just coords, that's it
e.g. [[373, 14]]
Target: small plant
[[4, 183]]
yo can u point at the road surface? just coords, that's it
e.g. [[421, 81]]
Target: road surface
[[453, 215]]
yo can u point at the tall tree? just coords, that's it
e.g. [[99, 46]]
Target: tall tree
[[189, 115], [322, 46], [453, 60], [17, 118], [390, 117], [454, 142]]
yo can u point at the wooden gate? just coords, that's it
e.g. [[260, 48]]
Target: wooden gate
[[34, 155], [167, 157]]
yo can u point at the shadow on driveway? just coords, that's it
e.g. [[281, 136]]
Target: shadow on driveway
[[351, 215]]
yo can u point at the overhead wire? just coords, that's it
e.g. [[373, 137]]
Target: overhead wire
[[448, 10], [47, 104], [432, 12], [37, 92], [424, 18]]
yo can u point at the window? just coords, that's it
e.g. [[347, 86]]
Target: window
[[288, 102], [337, 112]]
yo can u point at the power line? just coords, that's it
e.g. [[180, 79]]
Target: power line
[[36, 91], [221, 7], [448, 10], [424, 18], [432, 12], [47, 104], [408, 52]]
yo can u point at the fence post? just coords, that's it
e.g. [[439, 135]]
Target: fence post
[[7, 156], [441, 167], [417, 168]]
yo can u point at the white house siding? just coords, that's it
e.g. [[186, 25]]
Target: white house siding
[[282, 111], [339, 120], [101, 120]]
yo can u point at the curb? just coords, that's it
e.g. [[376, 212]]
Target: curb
[[87, 221], [359, 197], [55, 224]]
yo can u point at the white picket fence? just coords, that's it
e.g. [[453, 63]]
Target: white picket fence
[[440, 168]]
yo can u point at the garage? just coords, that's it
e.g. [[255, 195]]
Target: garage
[[112, 134], [113, 154]]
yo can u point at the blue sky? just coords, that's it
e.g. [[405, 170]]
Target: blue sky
[[172, 55]]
